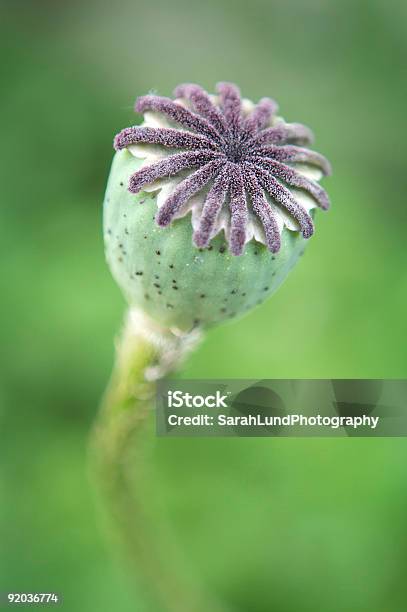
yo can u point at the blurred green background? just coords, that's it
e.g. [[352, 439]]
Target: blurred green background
[[272, 525]]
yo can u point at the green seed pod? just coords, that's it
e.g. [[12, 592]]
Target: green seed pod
[[194, 247], [179, 285]]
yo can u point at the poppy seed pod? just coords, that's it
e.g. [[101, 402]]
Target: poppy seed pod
[[209, 204]]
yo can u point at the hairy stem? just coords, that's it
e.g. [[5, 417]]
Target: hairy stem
[[121, 441]]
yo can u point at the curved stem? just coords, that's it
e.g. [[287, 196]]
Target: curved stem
[[120, 454]]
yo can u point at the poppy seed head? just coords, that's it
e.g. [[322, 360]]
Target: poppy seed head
[[243, 162]]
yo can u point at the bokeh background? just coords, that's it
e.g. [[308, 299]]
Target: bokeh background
[[272, 525]]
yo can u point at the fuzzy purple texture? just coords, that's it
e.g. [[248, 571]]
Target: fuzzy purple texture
[[242, 158], [283, 133], [263, 210], [212, 207], [238, 210]]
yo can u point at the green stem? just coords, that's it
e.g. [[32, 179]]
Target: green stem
[[121, 442]]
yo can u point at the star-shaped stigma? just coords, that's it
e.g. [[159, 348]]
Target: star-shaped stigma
[[238, 157]]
